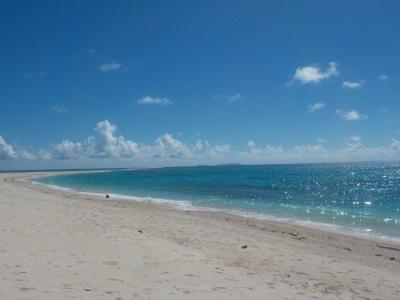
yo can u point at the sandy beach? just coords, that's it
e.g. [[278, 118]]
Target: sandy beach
[[64, 245]]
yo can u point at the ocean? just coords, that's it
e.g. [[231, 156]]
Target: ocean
[[362, 198]]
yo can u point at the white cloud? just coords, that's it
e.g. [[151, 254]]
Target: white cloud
[[315, 106], [313, 149], [6, 151], [267, 152], [60, 109], [251, 144], [234, 98], [321, 140], [152, 100], [352, 150], [113, 66], [353, 84], [218, 152], [354, 144], [107, 146], [395, 145], [25, 154], [167, 146], [33, 154], [110, 145], [68, 150], [313, 74], [383, 77], [92, 52], [229, 98], [225, 148], [351, 115], [44, 154], [200, 145], [355, 150]]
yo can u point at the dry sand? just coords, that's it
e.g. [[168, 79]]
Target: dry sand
[[65, 245]]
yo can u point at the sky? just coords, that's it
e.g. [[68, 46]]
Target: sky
[[165, 83]]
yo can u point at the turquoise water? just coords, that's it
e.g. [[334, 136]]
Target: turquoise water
[[360, 197]]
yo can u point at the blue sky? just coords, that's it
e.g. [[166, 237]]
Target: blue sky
[[186, 82]]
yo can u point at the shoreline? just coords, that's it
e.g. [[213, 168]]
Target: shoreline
[[187, 206], [62, 244]]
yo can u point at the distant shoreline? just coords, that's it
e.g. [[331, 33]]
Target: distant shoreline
[[197, 165]]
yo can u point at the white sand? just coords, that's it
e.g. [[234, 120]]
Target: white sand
[[64, 245]]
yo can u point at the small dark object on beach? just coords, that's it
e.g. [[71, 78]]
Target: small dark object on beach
[[392, 258], [140, 231], [378, 254], [294, 233], [87, 290], [107, 196], [244, 247], [348, 249]]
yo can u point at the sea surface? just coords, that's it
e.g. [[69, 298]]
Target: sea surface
[[361, 197]]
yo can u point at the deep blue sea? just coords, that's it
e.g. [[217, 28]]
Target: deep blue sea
[[359, 197]]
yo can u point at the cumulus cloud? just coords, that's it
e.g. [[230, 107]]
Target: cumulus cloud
[[353, 85], [395, 145], [315, 107], [44, 154], [154, 100], [106, 146], [354, 144], [167, 146], [307, 150], [314, 74], [218, 152], [225, 148], [106, 67], [251, 144], [383, 77], [353, 150], [25, 154], [351, 115], [259, 153], [200, 145], [68, 150], [6, 151], [109, 144]]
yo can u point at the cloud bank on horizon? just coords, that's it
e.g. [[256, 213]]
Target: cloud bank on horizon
[[166, 150]]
